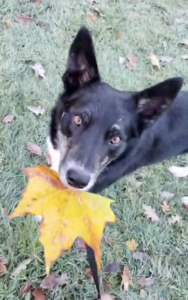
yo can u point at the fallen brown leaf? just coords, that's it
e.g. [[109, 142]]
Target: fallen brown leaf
[[34, 148], [25, 289], [63, 279], [145, 281], [185, 203], [3, 270], [8, 24], [141, 256], [150, 213], [154, 60], [105, 296], [174, 219], [80, 244], [131, 245], [167, 195], [119, 34], [39, 70], [8, 119], [106, 285], [185, 56], [24, 18], [37, 110], [92, 17], [21, 267], [112, 268], [132, 61], [108, 240], [165, 207], [49, 282], [89, 272], [38, 294], [121, 60], [143, 293], [126, 279], [165, 59], [183, 42]]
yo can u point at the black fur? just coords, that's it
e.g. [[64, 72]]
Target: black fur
[[152, 124]]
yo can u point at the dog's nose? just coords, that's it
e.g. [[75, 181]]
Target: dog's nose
[[77, 179]]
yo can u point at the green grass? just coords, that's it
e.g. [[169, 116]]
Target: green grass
[[145, 25]]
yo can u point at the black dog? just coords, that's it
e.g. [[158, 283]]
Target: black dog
[[99, 134]]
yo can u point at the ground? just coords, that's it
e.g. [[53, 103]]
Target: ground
[[145, 27]]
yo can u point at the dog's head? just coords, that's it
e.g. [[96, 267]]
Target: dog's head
[[92, 123]]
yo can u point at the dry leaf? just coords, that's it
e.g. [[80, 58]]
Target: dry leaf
[[167, 195], [80, 244], [112, 268], [143, 293], [92, 17], [106, 285], [185, 203], [126, 279], [34, 148], [165, 207], [185, 56], [132, 61], [48, 158], [3, 270], [38, 294], [131, 245], [121, 60], [150, 213], [174, 219], [37, 110], [105, 296], [145, 281], [183, 42], [8, 119], [154, 60], [63, 279], [119, 34], [24, 18], [141, 256], [89, 272], [179, 172], [25, 288], [165, 59], [72, 213], [108, 240], [39, 70], [8, 24], [49, 282], [21, 267]]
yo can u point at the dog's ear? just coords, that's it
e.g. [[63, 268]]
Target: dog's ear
[[152, 102], [82, 66]]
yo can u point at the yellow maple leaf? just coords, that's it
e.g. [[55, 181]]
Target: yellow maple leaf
[[131, 245], [67, 214]]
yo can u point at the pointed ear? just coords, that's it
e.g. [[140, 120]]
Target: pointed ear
[[152, 102], [82, 65]]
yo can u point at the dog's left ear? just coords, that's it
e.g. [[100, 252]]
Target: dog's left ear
[[152, 102], [82, 66]]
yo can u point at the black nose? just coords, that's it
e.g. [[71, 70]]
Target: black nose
[[77, 179]]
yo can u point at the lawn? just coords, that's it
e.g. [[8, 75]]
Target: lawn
[[144, 27]]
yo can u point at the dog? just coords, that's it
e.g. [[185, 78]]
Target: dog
[[99, 134]]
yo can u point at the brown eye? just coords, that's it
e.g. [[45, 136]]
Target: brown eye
[[115, 140], [77, 120]]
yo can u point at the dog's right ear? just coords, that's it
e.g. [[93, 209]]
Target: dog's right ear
[[82, 66]]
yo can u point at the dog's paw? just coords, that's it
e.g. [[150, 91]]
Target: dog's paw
[[179, 171]]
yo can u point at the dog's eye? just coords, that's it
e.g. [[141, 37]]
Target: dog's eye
[[77, 120], [115, 140]]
